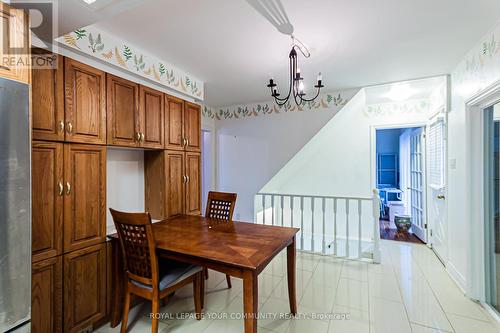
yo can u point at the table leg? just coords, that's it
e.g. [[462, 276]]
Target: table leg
[[118, 276], [290, 252], [250, 300]]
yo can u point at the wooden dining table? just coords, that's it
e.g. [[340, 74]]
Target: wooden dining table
[[239, 249]]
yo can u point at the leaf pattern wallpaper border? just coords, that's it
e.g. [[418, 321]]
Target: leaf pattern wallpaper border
[[331, 101], [104, 46], [481, 65]]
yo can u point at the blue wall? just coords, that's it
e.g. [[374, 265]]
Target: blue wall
[[388, 141]]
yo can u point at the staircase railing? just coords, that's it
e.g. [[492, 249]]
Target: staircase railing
[[329, 225]]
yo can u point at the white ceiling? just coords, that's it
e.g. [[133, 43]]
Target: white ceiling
[[354, 43]]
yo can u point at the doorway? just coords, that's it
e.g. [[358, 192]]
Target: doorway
[[492, 205], [401, 181]]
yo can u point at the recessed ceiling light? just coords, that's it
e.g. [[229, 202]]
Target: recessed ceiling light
[[89, 2]]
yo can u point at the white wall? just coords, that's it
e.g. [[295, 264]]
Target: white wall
[[124, 182], [251, 150], [479, 68]]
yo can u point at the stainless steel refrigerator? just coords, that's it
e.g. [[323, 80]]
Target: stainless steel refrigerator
[[15, 207]]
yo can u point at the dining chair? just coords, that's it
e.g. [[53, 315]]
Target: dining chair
[[147, 275], [220, 206]]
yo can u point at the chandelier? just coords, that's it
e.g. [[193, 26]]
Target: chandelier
[[296, 88]]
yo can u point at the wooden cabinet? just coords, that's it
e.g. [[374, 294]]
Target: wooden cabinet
[[46, 296], [172, 181], [192, 127], [85, 196], [122, 115], [193, 183], [47, 199], [151, 116], [174, 128], [85, 103], [182, 125], [15, 44], [48, 100], [85, 283]]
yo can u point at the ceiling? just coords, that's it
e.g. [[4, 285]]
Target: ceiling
[[354, 43]]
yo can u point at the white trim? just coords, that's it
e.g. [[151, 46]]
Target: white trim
[[491, 311], [474, 168], [456, 276]]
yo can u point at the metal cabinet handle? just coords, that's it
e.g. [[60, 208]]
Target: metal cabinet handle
[[187, 179], [138, 134], [184, 142], [142, 137], [69, 128], [68, 188], [441, 197], [61, 188], [187, 144], [61, 126], [184, 179]]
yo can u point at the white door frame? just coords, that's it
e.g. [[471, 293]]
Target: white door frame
[[476, 189], [373, 156]]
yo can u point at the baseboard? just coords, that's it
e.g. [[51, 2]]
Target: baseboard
[[456, 276]]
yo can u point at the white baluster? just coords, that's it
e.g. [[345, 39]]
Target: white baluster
[[359, 229], [376, 226], [302, 223], [324, 222], [312, 224], [263, 209], [272, 209], [291, 211], [335, 226], [347, 227], [282, 204]]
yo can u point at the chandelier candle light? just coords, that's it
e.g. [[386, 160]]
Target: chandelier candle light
[[296, 81]]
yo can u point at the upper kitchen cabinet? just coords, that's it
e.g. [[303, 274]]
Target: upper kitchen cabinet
[[174, 128], [123, 115], [48, 99], [15, 44], [85, 109], [151, 116], [192, 127], [182, 125]]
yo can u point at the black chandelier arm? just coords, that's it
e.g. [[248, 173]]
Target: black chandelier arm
[[310, 99]]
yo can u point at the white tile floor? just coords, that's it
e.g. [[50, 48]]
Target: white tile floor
[[409, 292]]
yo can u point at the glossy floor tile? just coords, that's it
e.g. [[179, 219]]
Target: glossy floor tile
[[410, 291]]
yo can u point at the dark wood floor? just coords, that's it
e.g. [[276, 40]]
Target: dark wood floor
[[386, 232]]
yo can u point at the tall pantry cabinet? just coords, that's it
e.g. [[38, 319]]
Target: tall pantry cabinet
[[79, 111]]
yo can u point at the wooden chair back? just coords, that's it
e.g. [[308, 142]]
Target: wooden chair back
[[220, 205], [138, 246]]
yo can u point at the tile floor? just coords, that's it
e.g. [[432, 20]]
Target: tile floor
[[409, 292]]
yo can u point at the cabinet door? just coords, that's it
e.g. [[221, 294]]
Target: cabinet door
[[151, 111], [193, 183], [175, 179], [47, 200], [85, 104], [46, 296], [192, 126], [85, 196], [85, 284], [155, 185], [123, 116], [47, 93], [174, 128], [15, 44]]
